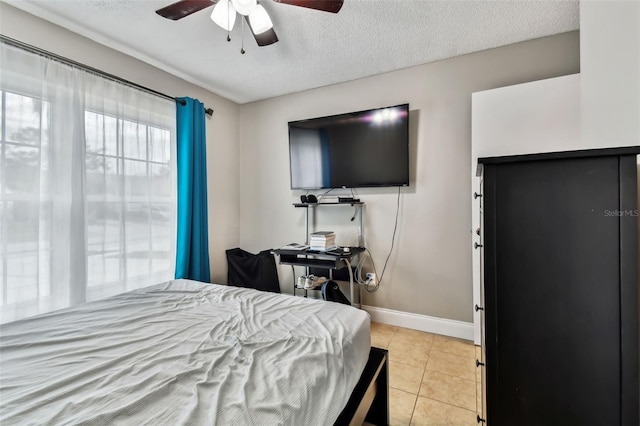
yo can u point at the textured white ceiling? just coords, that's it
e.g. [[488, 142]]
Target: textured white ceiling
[[316, 49]]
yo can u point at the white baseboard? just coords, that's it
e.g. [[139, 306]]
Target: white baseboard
[[446, 327]]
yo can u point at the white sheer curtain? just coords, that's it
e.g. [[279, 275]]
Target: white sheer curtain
[[87, 186]]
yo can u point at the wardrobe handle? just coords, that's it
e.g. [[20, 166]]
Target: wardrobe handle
[[478, 363], [480, 419], [476, 195], [478, 308], [476, 245]]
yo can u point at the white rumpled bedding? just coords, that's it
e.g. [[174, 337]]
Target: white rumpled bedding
[[184, 352]]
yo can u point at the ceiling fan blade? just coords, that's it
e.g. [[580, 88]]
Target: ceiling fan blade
[[184, 8], [263, 39], [332, 6]]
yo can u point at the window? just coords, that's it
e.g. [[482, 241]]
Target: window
[[25, 226], [130, 203], [87, 186]]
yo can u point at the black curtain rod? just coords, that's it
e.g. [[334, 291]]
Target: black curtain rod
[[67, 61]]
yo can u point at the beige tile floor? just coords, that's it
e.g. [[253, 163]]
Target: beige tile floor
[[433, 379]]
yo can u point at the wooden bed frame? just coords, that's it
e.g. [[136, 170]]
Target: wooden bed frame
[[370, 399]]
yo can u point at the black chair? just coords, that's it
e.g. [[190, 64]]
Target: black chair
[[250, 270]]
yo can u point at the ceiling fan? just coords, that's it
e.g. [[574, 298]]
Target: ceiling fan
[[224, 14]]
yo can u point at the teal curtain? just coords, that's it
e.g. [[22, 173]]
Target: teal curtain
[[192, 251]]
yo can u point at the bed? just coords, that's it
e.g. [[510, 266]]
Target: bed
[[184, 352]]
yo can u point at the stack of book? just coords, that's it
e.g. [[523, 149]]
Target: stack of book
[[322, 240]]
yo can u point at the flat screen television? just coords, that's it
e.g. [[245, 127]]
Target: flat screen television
[[354, 150]]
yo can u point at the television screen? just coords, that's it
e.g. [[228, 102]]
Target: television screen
[[359, 149]]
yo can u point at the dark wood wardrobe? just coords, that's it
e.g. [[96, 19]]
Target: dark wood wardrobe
[[560, 288]]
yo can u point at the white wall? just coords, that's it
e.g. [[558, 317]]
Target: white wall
[[542, 116], [429, 272], [610, 72], [222, 129]]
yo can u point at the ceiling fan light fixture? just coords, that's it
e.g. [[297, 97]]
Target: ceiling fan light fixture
[[245, 7], [224, 15], [259, 20]]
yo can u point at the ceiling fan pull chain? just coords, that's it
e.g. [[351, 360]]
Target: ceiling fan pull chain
[[242, 36], [228, 25]]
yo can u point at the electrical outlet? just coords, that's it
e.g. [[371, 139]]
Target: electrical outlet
[[371, 278]]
